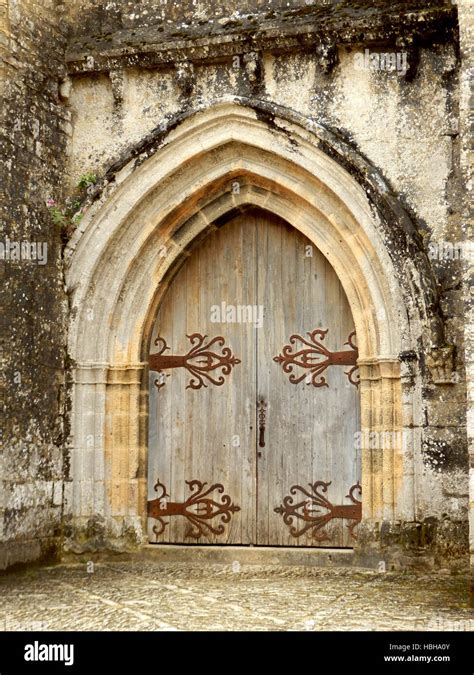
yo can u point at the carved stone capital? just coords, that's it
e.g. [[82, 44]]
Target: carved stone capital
[[251, 62], [408, 45], [440, 361], [116, 79], [326, 53], [253, 70], [185, 77], [65, 87]]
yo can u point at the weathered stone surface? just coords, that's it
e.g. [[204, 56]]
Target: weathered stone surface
[[179, 596], [104, 88], [34, 142]]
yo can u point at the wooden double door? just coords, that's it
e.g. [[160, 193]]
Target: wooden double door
[[254, 407]]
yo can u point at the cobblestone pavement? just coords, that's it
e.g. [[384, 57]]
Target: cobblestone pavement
[[182, 596]]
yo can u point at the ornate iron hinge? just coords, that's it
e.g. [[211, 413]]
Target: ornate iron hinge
[[200, 361], [309, 358], [198, 509], [302, 515]]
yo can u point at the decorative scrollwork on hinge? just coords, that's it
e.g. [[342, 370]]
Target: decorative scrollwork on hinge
[[303, 513], [200, 361], [309, 358], [199, 509]]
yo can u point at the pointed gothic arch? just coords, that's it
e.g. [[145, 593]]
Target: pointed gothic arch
[[159, 200]]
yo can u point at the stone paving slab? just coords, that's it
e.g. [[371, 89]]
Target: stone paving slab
[[147, 596]]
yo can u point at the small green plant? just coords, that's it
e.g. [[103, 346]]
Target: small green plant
[[86, 180], [69, 215]]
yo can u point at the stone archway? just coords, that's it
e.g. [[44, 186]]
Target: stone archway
[[169, 193]]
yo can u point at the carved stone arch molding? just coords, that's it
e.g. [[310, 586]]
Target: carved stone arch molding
[[151, 208]]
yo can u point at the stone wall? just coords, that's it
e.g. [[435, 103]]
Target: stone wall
[[138, 69], [127, 84], [35, 134]]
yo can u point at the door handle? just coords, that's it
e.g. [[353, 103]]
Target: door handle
[[262, 412]]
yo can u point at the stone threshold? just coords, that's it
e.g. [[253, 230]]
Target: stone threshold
[[227, 555], [248, 555], [224, 555]]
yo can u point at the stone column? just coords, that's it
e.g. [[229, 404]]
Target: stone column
[[125, 448], [84, 495], [381, 425], [106, 499]]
